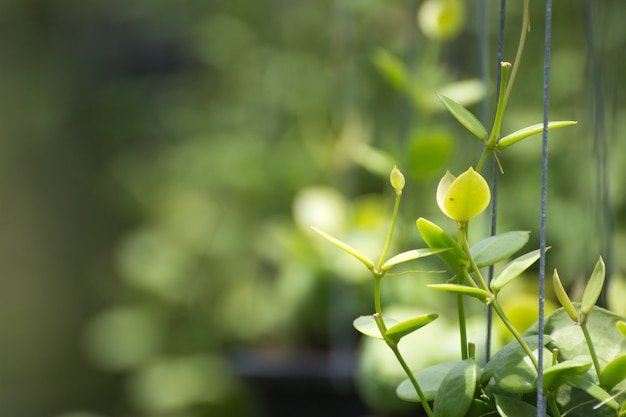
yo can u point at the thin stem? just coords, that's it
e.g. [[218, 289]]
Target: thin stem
[[465, 244], [460, 305], [554, 407], [416, 385], [520, 50], [592, 350], [514, 332], [377, 304], [383, 255]]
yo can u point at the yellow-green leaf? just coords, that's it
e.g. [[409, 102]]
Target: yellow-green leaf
[[344, 246], [563, 298], [593, 289]]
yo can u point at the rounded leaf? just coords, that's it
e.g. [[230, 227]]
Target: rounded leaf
[[367, 325], [558, 374], [456, 391], [497, 248], [429, 380], [614, 372]]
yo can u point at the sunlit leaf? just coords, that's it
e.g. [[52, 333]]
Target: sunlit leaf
[[409, 256], [621, 326], [398, 331], [482, 295], [614, 372], [435, 237], [593, 288], [456, 391], [563, 298], [465, 117], [518, 135], [344, 246], [497, 248], [560, 373], [514, 269], [367, 325]]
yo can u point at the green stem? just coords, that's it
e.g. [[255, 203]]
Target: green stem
[[377, 304], [416, 385], [592, 350], [520, 50], [554, 407], [465, 244], [396, 207], [514, 332], [460, 305]]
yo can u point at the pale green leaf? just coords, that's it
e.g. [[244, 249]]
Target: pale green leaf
[[456, 391], [367, 325], [344, 246], [482, 295], [518, 135], [497, 248], [409, 256], [593, 288], [465, 117], [514, 269]]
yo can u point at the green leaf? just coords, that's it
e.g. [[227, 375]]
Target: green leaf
[[560, 373], [482, 295], [497, 248], [429, 380], [511, 368], [614, 372], [398, 331], [344, 246], [518, 135], [594, 390], [593, 289], [367, 325], [465, 117], [563, 298], [409, 256], [456, 391], [514, 407], [391, 68], [514, 269], [621, 326], [430, 152], [436, 238]]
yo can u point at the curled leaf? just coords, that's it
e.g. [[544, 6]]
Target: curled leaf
[[398, 331], [482, 295], [563, 298], [518, 135], [593, 289]]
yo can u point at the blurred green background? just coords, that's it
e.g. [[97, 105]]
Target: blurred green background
[[162, 162]]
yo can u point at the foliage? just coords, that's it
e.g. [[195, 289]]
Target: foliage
[[583, 374]]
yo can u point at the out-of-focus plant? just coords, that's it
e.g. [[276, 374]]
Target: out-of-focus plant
[[586, 374]]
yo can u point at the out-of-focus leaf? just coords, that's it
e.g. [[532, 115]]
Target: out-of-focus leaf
[[465, 117], [391, 68], [344, 246], [482, 295], [409, 256], [429, 154]]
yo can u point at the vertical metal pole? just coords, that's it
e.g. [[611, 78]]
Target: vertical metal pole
[[541, 401]]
